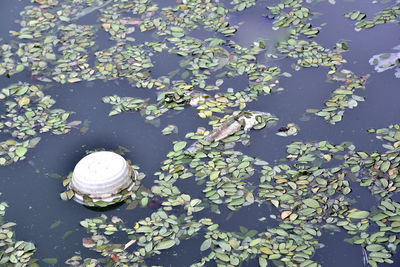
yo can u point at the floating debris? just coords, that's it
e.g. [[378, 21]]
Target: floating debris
[[101, 179], [288, 130], [387, 61], [244, 120]]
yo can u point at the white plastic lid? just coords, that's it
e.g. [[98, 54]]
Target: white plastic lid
[[101, 174]]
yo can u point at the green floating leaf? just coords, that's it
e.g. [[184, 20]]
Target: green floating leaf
[[19, 68], [385, 166], [55, 224], [179, 146], [164, 244], [101, 203], [375, 247], [67, 234], [20, 151], [205, 245], [360, 214], [222, 257], [306, 158], [262, 262], [312, 203], [50, 260], [144, 229]]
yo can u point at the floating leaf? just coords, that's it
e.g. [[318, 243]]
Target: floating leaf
[[205, 245], [55, 224], [179, 146], [312, 203], [360, 214], [23, 101], [222, 257], [266, 250], [164, 244], [285, 214], [50, 260], [375, 247], [385, 166], [20, 151]]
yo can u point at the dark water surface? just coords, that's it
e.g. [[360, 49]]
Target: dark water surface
[[33, 195]]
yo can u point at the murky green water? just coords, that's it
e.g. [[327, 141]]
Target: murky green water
[[31, 186]]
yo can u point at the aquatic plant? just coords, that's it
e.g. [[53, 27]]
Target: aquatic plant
[[308, 190], [13, 252]]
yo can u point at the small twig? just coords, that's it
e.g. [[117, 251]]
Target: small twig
[[365, 256]]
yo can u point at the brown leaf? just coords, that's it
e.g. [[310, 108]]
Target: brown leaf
[[285, 214], [392, 171], [131, 21]]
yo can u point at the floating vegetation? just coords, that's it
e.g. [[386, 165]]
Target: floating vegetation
[[381, 169], [201, 57], [355, 15], [343, 97], [169, 130], [311, 54], [292, 13], [312, 188], [27, 114], [124, 104], [384, 16], [307, 191], [149, 236], [288, 130], [12, 251]]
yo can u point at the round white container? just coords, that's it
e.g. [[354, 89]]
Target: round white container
[[102, 176]]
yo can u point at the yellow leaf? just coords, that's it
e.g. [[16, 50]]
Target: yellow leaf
[[157, 238], [111, 227], [327, 157], [23, 101], [397, 144], [302, 182], [391, 189], [10, 142], [222, 99], [266, 250], [109, 67], [208, 113], [74, 80]]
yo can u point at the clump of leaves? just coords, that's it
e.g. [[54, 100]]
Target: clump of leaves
[[12, 251], [28, 113]]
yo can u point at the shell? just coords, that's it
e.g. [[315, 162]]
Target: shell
[[102, 176]]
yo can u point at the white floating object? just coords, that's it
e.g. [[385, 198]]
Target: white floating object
[[102, 176]]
